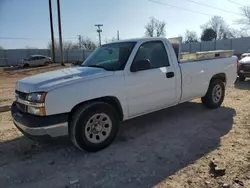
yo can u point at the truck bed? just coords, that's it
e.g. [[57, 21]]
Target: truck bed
[[197, 74], [198, 56]]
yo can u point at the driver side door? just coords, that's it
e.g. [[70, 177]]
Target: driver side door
[[151, 89]]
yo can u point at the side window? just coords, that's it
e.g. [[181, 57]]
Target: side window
[[155, 52]]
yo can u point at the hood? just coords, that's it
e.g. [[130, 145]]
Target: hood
[[54, 79], [245, 60]]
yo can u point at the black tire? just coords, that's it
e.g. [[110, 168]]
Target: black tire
[[26, 65], [46, 63], [242, 78], [80, 118], [209, 100]]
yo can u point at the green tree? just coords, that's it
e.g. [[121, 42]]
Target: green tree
[[208, 35]]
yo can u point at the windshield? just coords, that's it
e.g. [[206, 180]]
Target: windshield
[[111, 57]]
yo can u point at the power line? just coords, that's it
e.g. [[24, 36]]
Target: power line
[[21, 38], [177, 7], [205, 5], [197, 12], [37, 38], [237, 3]]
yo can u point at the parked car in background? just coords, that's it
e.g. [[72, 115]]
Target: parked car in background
[[35, 60], [244, 68], [244, 55]]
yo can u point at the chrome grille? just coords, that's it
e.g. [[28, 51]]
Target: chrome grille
[[21, 107], [23, 96]]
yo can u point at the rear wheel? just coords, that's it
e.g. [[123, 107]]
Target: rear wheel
[[242, 78], [215, 94], [93, 126]]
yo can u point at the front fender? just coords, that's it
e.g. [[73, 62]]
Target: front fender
[[64, 99]]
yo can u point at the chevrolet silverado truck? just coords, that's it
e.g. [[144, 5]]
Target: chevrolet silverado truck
[[117, 82]]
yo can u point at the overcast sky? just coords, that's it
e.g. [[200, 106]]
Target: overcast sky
[[26, 22]]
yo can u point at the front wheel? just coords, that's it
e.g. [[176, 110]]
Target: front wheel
[[215, 94], [93, 126]]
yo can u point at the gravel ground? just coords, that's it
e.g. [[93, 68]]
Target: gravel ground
[[171, 148]]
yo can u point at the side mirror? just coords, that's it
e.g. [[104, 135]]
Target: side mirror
[[140, 65]]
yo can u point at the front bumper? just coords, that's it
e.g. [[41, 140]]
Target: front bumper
[[31, 125]]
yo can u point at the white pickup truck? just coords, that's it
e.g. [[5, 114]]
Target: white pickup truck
[[117, 82]]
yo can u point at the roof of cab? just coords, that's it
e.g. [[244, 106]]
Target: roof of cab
[[138, 39]]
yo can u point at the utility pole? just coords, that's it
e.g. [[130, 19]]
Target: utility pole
[[99, 32], [118, 35], [79, 37], [52, 32], [60, 33]]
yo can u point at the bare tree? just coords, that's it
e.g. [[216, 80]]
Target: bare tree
[[86, 43], [160, 28], [239, 33], [245, 20], [30, 47], [113, 39], [190, 36], [218, 24], [150, 27], [81, 44], [69, 45], [155, 28], [66, 45]]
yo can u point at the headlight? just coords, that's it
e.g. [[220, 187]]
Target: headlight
[[35, 103], [36, 97]]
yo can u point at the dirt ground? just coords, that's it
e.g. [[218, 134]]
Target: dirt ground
[[8, 80], [167, 149]]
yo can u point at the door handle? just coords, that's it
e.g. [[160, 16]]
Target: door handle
[[170, 74]]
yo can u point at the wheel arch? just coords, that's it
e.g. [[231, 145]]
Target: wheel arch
[[113, 101], [220, 76]]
